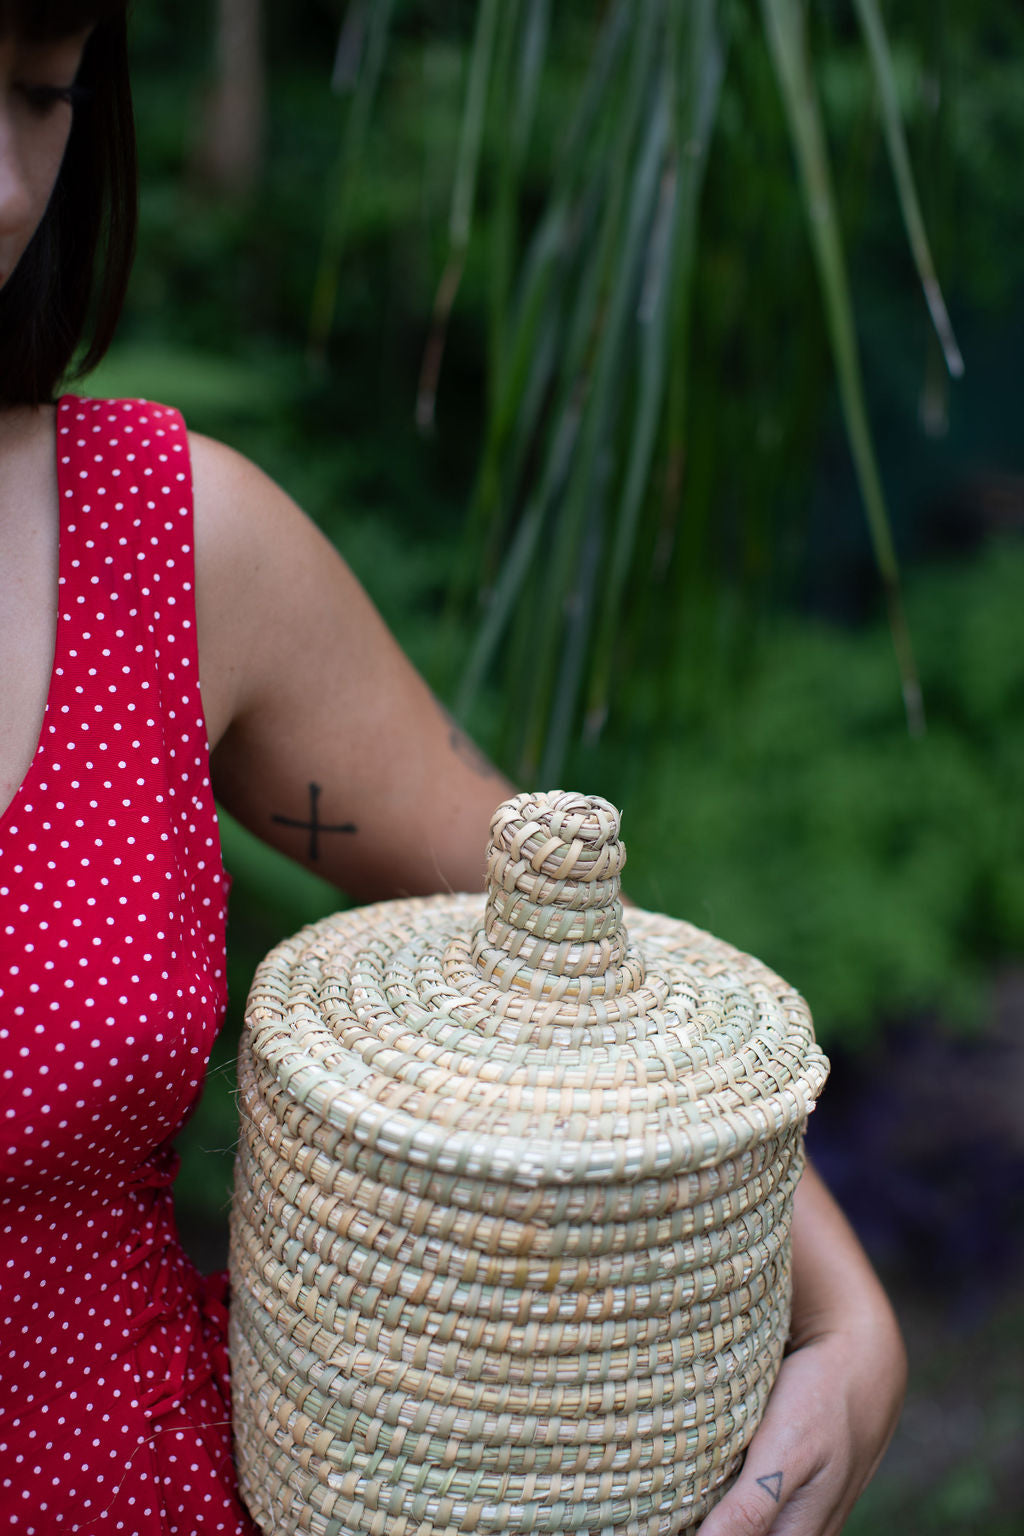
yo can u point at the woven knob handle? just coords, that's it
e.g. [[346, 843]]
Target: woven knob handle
[[553, 923]]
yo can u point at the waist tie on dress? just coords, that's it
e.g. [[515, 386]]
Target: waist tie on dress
[[179, 1333]]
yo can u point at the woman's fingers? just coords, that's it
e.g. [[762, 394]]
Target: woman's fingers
[[803, 1471], [807, 1464], [837, 1397]]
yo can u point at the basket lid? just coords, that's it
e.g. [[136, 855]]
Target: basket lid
[[532, 1036]]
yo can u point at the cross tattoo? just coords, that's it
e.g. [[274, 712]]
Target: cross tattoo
[[314, 826]]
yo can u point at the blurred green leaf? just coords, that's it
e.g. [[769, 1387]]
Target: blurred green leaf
[[370, 23], [784, 24], [881, 59]]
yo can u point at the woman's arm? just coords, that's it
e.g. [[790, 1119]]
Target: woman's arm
[[838, 1395], [326, 742]]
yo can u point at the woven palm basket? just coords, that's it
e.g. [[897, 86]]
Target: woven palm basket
[[510, 1238]]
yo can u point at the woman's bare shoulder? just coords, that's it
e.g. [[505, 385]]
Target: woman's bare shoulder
[[226, 485], [250, 537]]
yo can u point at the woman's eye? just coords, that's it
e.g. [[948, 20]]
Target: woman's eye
[[44, 99]]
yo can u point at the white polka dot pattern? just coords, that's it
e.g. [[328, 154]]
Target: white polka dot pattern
[[112, 912]]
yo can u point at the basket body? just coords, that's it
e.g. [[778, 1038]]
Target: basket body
[[508, 1267]]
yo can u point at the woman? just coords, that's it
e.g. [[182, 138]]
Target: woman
[[137, 560]]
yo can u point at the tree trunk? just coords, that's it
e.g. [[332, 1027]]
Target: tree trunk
[[233, 149]]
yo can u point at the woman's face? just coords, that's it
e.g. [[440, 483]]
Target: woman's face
[[35, 120]]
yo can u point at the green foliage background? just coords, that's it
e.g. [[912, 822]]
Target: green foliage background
[[756, 740], [764, 728]]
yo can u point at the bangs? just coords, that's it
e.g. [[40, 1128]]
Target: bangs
[[42, 20]]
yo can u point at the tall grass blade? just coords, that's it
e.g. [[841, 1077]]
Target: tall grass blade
[[528, 40], [515, 406], [578, 623], [668, 280], [363, 80], [784, 25], [899, 158], [517, 562], [533, 51], [550, 344], [460, 218], [595, 99], [547, 347], [534, 346], [504, 218], [570, 596]]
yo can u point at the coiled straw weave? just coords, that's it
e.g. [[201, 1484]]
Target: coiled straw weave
[[510, 1239]]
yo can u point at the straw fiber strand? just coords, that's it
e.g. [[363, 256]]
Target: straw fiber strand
[[510, 1242]]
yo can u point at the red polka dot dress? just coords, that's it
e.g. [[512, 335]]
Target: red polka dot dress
[[113, 1373]]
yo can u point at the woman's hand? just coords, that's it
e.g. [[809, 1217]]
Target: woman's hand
[[838, 1394]]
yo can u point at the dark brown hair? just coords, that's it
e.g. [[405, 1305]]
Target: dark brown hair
[[68, 287]]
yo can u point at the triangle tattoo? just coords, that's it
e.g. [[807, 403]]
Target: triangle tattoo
[[772, 1484]]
